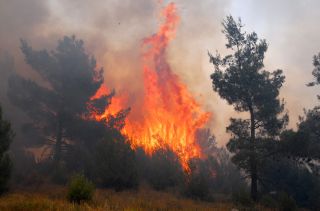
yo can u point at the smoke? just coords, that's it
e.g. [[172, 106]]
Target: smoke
[[113, 31], [290, 27]]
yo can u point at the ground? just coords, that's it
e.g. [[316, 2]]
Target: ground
[[54, 198]]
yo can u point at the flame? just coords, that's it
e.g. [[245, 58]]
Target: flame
[[169, 115], [113, 108]]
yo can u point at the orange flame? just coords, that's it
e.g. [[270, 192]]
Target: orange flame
[[170, 116]]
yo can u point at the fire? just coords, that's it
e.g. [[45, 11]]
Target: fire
[[169, 115], [113, 108]]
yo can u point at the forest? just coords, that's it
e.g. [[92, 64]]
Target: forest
[[70, 140]]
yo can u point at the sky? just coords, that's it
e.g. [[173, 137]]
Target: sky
[[113, 31]]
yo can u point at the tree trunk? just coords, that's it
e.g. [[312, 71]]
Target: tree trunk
[[57, 151], [253, 161]]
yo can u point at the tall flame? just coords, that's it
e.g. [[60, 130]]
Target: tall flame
[[169, 115]]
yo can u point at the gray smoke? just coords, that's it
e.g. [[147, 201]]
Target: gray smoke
[[113, 30]]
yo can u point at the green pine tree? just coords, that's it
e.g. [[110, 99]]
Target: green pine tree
[[240, 79]]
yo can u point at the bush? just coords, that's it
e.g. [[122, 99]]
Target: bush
[[268, 201], [6, 136], [286, 203], [115, 164], [80, 189], [284, 175], [242, 198], [163, 170], [227, 175], [200, 179], [5, 172], [197, 188]]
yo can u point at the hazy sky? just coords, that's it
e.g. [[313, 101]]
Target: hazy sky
[[113, 30]]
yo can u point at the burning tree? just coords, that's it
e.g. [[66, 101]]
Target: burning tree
[[59, 106], [240, 79]]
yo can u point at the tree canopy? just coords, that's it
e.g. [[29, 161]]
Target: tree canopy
[[241, 80], [6, 137], [59, 105]]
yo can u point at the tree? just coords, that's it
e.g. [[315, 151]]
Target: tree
[[115, 163], [59, 104], [316, 71], [308, 134], [240, 79], [284, 174], [6, 136], [303, 145], [200, 180], [161, 170]]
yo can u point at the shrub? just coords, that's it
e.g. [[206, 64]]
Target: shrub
[[286, 203], [115, 164], [6, 136], [200, 179], [268, 201], [163, 170], [197, 188], [284, 175], [80, 189], [242, 198], [5, 172]]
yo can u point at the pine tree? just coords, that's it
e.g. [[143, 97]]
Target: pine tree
[[240, 79], [59, 105]]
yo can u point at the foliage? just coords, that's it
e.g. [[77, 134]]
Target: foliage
[[115, 163], [218, 172], [161, 170], [268, 201], [286, 203], [309, 133], [26, 171], [6, 137], [316, 70], [303, 145], [80, 189], [200, 179], [69, 79], [59, 105], [227, 176], [296, 169], [239, 78], [285, 175], [242, 197]]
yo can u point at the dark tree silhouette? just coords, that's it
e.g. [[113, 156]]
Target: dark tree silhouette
[[303, 145], [6, 136], [59, 105], [240, 79], [115, 162], [316, 71]]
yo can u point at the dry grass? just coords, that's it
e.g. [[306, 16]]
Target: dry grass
[[53, 198]]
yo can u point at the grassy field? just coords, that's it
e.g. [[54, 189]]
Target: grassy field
[[54, 198]]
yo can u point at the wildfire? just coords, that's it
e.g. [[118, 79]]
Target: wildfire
[[170, 116]]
